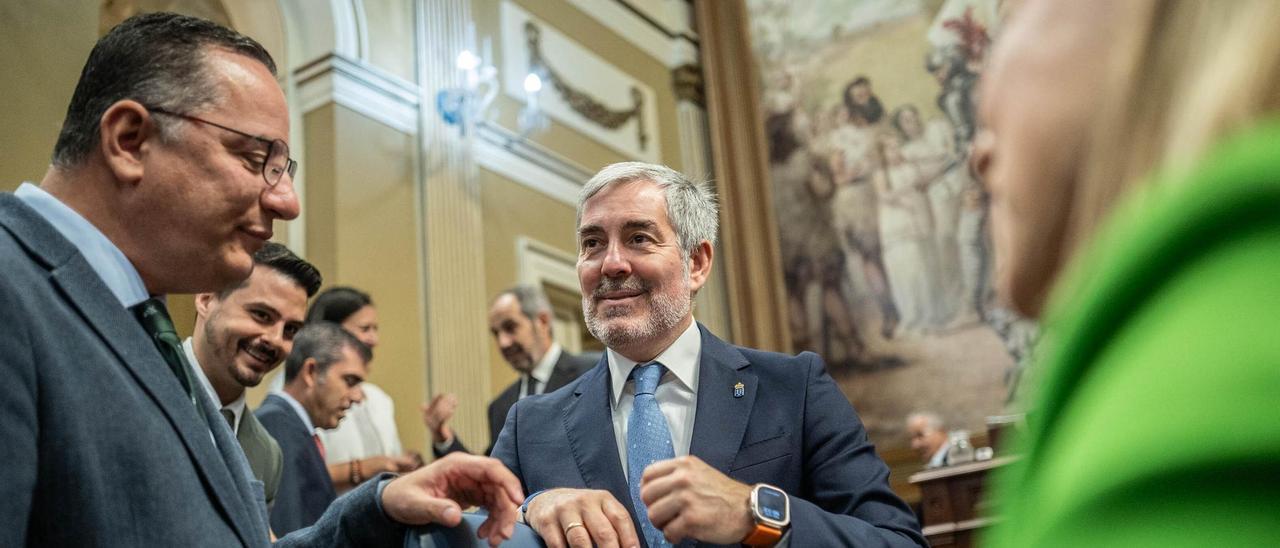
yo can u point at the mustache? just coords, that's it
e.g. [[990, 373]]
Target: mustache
[[266, 350], [619, 284]]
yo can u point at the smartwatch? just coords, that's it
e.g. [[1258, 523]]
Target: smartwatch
[[771, 509]]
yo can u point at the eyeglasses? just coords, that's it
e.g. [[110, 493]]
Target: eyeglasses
[[278, 161]]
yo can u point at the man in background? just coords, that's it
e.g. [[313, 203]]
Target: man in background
[[928, 438], [520, 321], [322, 379], [241, 334]]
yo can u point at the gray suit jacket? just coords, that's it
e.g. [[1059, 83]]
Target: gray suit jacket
[[265, 459], [100, 445]]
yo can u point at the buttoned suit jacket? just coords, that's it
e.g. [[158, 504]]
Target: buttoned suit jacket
[[102, 446], [568, 367], [305, 487], [263, 453], [790, 427]]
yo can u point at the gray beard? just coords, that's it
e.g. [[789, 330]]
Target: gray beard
[[665, 314]]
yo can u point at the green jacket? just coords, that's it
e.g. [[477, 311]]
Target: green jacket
[[1156, 420], [265, 458]]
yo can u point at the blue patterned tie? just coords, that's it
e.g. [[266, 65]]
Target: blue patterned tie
[[648, 441]]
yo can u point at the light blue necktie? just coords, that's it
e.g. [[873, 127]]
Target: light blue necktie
[[648, 441]]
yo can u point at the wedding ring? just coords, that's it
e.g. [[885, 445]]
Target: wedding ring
[[570, 527]]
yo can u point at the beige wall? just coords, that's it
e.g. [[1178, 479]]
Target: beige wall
[[512, 210], [43, 45]]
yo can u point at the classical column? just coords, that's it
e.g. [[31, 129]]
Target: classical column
[[452, 227], [711, 306], [749, 234]]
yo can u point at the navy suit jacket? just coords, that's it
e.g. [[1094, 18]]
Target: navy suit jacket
[[305, 486], [99, 444], [568, 367], [792, 428]]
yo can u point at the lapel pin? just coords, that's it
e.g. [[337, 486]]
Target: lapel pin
[[739, 390]]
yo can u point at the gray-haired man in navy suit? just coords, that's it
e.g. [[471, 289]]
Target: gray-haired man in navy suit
[[676, 435]]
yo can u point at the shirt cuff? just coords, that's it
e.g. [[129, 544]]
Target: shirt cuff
[[382, 484], [442, 446], [525, 507]]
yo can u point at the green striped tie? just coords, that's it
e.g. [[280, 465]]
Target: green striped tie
[[155, 320]]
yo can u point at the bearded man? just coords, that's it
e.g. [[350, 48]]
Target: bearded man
[[675, 434]]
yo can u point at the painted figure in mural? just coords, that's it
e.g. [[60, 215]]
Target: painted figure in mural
[[906, 236], [853, 162], [931, 148], [951, 67]]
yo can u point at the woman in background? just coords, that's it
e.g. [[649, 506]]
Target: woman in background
[[1132, 152], [366, 442]]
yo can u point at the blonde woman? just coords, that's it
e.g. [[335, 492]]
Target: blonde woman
[[1132, 152]]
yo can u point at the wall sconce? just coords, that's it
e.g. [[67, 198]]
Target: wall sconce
[[465, 106], [531, 118]]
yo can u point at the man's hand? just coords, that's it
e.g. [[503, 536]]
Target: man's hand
[[394, 464], [687, 498], [436, 416], [436, 493], [595, 516]]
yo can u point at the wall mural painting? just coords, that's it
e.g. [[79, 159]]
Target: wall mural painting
[[869, 111]]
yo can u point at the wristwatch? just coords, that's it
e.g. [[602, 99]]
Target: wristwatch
[[771, 509]]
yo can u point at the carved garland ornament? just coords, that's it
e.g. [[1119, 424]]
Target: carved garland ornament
[[579, 100]]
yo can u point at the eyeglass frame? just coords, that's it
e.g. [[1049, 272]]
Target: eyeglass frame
[[290, 165]]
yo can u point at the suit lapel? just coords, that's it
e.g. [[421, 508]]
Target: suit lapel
[[562, 373], [120, 331], [588, 422], [721, 418]]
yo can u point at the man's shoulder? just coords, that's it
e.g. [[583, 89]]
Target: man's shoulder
[[255, 434], [579, 363], [274, 415]]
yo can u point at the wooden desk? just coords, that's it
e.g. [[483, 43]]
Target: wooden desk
[[952, 501]]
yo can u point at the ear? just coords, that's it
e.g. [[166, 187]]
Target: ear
[[204, 303], [124, 130], [543, 320], [309, 372], [700, 260]]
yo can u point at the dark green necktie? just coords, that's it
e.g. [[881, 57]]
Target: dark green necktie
[[155, 320]]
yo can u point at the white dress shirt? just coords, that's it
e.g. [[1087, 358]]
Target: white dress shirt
[[542, 371], [103, 256], [236, 407], [677, 392]]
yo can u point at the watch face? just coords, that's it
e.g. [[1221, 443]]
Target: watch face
[[772, 505]]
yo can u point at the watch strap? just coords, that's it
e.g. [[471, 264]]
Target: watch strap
[[763, 535]]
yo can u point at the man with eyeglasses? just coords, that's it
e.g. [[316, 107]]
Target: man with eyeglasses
[[171, 167]]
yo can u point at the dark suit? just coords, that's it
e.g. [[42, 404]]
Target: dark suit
[[568, 367], [792, 428], [99, 443], [305, 487], [263, 453]]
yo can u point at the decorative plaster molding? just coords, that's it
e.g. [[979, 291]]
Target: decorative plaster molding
[[670, 46], [386, 98], [501, 151], [361, 87]]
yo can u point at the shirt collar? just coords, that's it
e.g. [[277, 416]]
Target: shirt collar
[[681, 359], [103, 256], [236, 407], [297, 408], [543, 370]]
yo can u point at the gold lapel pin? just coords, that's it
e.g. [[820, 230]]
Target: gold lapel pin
[[739, 390]]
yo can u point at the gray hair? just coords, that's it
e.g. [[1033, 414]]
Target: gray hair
[[532, 300], [691, 205], [324, 341], [931, 420]]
